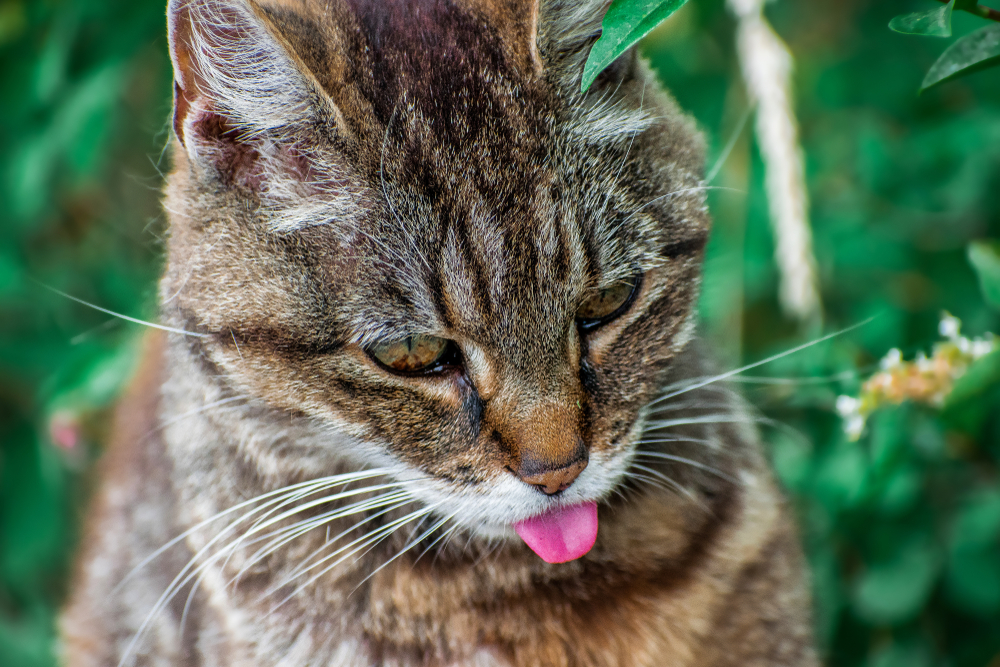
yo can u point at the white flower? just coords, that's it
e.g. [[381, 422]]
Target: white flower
[[981, 347], [854, 427], [848, 406], [893, 359], [950, 326], [924, 365], [926, 380]]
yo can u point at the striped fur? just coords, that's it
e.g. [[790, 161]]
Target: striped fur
[[352, 171]]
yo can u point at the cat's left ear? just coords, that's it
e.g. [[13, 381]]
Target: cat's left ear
[[232, 64], [517, 21], [566, 30]]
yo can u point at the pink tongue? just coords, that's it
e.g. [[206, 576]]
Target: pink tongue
[[561, 535]]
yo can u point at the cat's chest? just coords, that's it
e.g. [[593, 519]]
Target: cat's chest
[[241, 633]]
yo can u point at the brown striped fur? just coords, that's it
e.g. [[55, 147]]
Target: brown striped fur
[[353, 171]]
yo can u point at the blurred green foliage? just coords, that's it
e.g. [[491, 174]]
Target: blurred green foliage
[[902, 529], [84, 94]]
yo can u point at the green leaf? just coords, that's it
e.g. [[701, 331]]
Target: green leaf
[[985, 259], [902, 654], [972, 582], [976, 525], [972, 578], [896, 591], [930, 23], [983, 374], [976, 51], [626, 22]]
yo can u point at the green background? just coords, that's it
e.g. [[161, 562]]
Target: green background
[[902, 528]]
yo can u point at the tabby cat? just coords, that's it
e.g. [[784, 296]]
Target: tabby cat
[[429, 391]]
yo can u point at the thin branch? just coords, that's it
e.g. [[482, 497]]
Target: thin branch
[[979, 10]]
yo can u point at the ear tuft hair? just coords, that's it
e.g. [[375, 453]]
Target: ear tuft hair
[[567, 29], [248, 109], [228, 58]]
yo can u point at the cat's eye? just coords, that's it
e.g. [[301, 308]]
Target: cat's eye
[[606, 304], [413, 354]]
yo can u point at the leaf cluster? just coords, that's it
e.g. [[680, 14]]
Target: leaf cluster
[[84, 94], [972, 53]]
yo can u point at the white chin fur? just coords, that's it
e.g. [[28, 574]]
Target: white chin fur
[[489, 510]]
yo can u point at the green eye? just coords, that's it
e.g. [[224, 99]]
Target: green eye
[[411, 354], [606, 304]]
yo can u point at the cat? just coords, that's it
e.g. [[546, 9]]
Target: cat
[[429, 390]]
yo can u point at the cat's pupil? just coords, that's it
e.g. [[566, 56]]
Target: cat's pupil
[[410, 354]]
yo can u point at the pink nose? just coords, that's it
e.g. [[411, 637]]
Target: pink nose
[[552, 482], [552, 475]]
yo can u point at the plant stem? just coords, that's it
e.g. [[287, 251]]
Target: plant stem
[[979, 10]]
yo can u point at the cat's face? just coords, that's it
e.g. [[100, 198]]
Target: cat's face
[[404, 222]]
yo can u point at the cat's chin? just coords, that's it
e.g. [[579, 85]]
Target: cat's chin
[[493, 514], [564, 533], [497, 509], [507, 510]]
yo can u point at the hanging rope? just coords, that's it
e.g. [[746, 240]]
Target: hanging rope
[[767, 65]]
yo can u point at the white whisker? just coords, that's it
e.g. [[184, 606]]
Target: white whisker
[[311, 486], [673, 484], [390, 506], [729, 374], [197, 411], [690, 462], [663, 440], [689, 406], [665, 484], [412, 543], [705, 419], [724, 155], [268, 519], [190, 570], [284, 536], [134, 320], [825, 379], [369, 540], [430, 546]]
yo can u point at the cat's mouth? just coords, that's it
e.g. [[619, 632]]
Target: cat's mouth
[[561, 534], [565, 533], [501, 508]]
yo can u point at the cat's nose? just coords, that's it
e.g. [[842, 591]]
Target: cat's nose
[[552, 475], [542, 445]]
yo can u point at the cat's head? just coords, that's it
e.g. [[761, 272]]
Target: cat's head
[[403, 220]]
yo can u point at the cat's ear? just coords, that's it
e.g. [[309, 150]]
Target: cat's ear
[[567, 29], [516, 22], [237, 84]]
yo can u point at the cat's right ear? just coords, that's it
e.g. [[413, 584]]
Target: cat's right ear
[[567, 29], [238, 85]]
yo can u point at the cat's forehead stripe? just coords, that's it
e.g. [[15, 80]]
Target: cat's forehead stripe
[[438, 54]]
